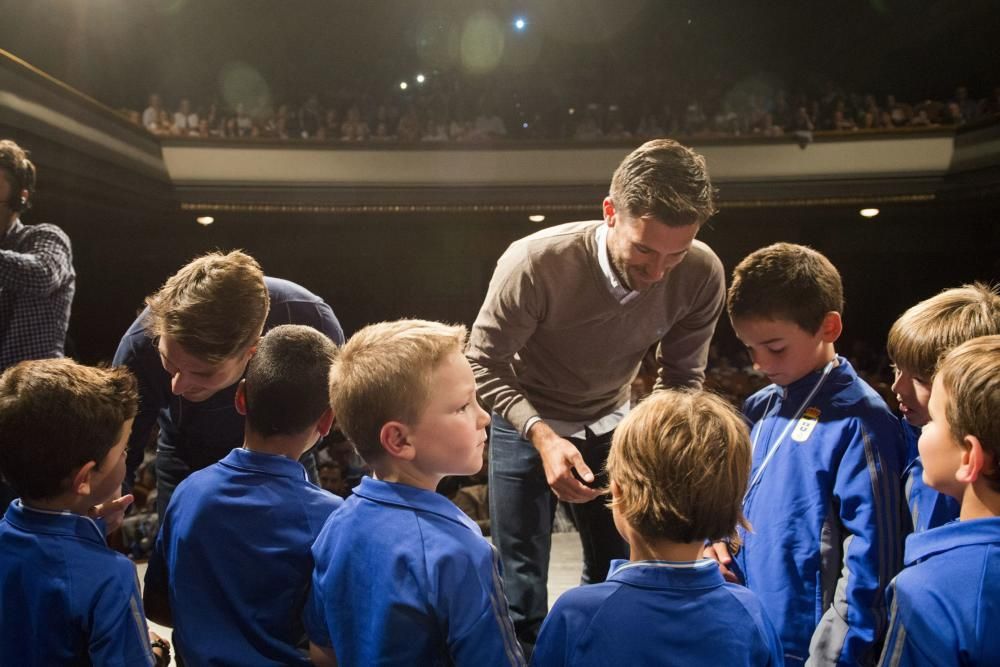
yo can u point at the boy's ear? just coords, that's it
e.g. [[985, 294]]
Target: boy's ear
[[393, 437], [831, 327], [325, 422], [974, 460], [81, 478], [241, 398]]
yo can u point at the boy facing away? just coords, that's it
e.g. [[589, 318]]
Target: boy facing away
[[232, 564], [917, 340], [678, 466], [823, 496], [946, 603], [403, 576], [65, 597]]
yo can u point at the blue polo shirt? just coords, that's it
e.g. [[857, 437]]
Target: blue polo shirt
[[404, 577], [946, 603], [658, 613], [65, 597], [234, 554]]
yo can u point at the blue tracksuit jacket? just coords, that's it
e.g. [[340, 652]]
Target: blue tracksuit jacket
[[826, 515], [946, 603]]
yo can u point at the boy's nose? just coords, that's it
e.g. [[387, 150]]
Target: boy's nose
[[483, 417]]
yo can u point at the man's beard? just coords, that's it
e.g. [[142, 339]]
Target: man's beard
[[621, 271]]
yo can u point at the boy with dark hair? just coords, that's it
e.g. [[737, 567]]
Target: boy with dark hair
[[65, 597], [916, 342], [944, 604], [232, 563], [678, 466], [403, 576], [823, 496]]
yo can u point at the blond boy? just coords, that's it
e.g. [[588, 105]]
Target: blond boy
[[678, 466], [402, 576], [916, 341], [944, 604]]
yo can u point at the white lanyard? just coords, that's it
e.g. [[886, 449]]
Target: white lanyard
[[798, 413]]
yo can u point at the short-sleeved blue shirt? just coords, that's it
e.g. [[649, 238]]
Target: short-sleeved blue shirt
[[65, 597], [234, 553], [945, 606], [658, 613], [403, 577]]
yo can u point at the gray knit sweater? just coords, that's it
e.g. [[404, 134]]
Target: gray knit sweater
[[551, 340]]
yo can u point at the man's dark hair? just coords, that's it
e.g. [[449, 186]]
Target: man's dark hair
[[786, 281], [55, 416], [20, 172], [666, 181], [287, 380]]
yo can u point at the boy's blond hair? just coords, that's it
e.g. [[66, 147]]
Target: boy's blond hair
[[971, 376], [55, 416], [214, 307], [935, 325], [383, 373], [681, 461]]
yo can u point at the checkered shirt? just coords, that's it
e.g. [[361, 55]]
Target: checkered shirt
[[37, 282]]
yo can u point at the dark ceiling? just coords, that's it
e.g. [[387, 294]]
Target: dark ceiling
[[120, 50]]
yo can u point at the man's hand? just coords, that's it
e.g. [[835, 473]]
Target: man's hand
[[560, 458], [160, 648], [113, 512], [719, 552]]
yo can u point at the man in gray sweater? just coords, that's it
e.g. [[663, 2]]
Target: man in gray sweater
[[570, 313]]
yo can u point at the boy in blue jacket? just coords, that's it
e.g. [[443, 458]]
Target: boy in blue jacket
[[946, 603], [678, 466], [65, 597], [917, 340], [823, 496], [403, 576], [232, 565]]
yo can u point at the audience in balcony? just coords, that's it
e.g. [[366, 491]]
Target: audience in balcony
[[440, 113]]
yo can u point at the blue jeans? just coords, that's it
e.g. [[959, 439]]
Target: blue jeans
[[522, 507]]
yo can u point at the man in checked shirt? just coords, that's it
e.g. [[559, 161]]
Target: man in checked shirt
[[37, 279]]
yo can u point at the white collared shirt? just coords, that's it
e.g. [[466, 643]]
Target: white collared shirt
[[620, 291]]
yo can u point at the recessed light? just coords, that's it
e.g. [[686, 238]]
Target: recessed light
[[868, 212], [204, 220], [536, 218]]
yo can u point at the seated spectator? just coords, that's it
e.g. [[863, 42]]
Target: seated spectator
[[185, 120], [151, 115], [354, 128], [310, 118], [408, 130], [649, 127]]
